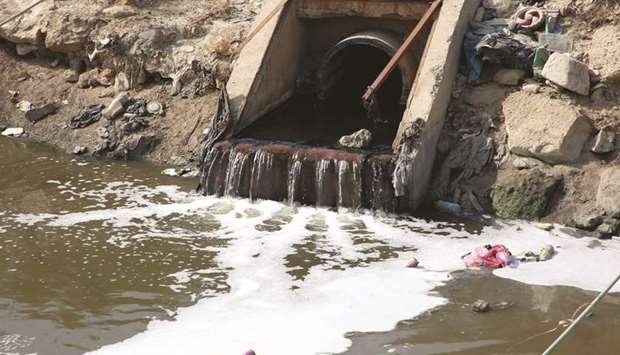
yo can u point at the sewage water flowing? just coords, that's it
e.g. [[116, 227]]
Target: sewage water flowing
[[114, 258]]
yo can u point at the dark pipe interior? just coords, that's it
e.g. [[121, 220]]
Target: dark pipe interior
[[305, 119]]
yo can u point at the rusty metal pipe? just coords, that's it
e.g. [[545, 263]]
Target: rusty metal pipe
[[389, 68]]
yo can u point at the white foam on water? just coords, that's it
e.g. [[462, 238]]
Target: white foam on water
[[263, 312]]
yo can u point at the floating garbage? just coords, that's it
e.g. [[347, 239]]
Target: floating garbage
[[494, 257]]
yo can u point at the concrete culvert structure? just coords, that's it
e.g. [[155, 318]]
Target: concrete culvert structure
[[350, 67]]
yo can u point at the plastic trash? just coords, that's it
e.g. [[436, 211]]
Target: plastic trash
[[556, 42], [504, 49], [449, 207], [540, 59], [494, 257], [86, 117]]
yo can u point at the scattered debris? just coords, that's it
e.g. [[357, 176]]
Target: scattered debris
[[359, 139], [170, 172], [155, 108], [526, 163], [529, 18], [80, 150], [86, 117], [24, 106], [556, 42], [71, 76], [505, 49], [36, 114], [604, 141], [496, 256], [13, 132], [481, 306], [568, 73]]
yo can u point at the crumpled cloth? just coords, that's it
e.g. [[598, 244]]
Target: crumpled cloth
[[86, 117]]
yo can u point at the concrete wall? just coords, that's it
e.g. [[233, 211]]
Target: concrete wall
[[430, 96], [395, 9], [266, 70]]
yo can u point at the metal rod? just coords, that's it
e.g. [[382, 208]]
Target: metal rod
[[21, 12], [389, 68], [263, 23], [581, 316]]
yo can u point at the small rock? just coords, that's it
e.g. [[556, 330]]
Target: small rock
[[608, 194], [170, 172], [544, 226], [546, 128], [546, 252], [509, 76], [359, 139], [531, 86], [588, 219], [71, 76], [55, 63], [481, 306], [24, 106], [79, 150], [103, 133], [121, 83], [522, 194], [116, 107], [190, 172], [568, 73], [413, 263], [526, 163], [250, 352], [25, 49], [155, 108], [206, 131], [601, 94], [187, 49], [604, 142], [606, 230], [38, 113], [13, 132]]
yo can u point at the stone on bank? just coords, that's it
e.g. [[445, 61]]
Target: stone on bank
[[522, 194], [544, 128]]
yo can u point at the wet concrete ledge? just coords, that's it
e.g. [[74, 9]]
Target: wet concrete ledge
[[431, 94]]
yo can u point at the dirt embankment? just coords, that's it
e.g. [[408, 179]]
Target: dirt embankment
[[532, 149], [78, 54]]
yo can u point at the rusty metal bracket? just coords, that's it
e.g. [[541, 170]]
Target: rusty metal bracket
[[389, 68]]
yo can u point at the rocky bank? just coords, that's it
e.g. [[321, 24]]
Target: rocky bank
[[541, 146], [519, 142]]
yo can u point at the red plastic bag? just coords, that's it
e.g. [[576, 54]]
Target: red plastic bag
[[496, 256]]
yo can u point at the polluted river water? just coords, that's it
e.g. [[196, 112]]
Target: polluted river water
[[114, 258]]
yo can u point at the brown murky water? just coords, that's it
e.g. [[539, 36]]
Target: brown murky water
[[91, 252]]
